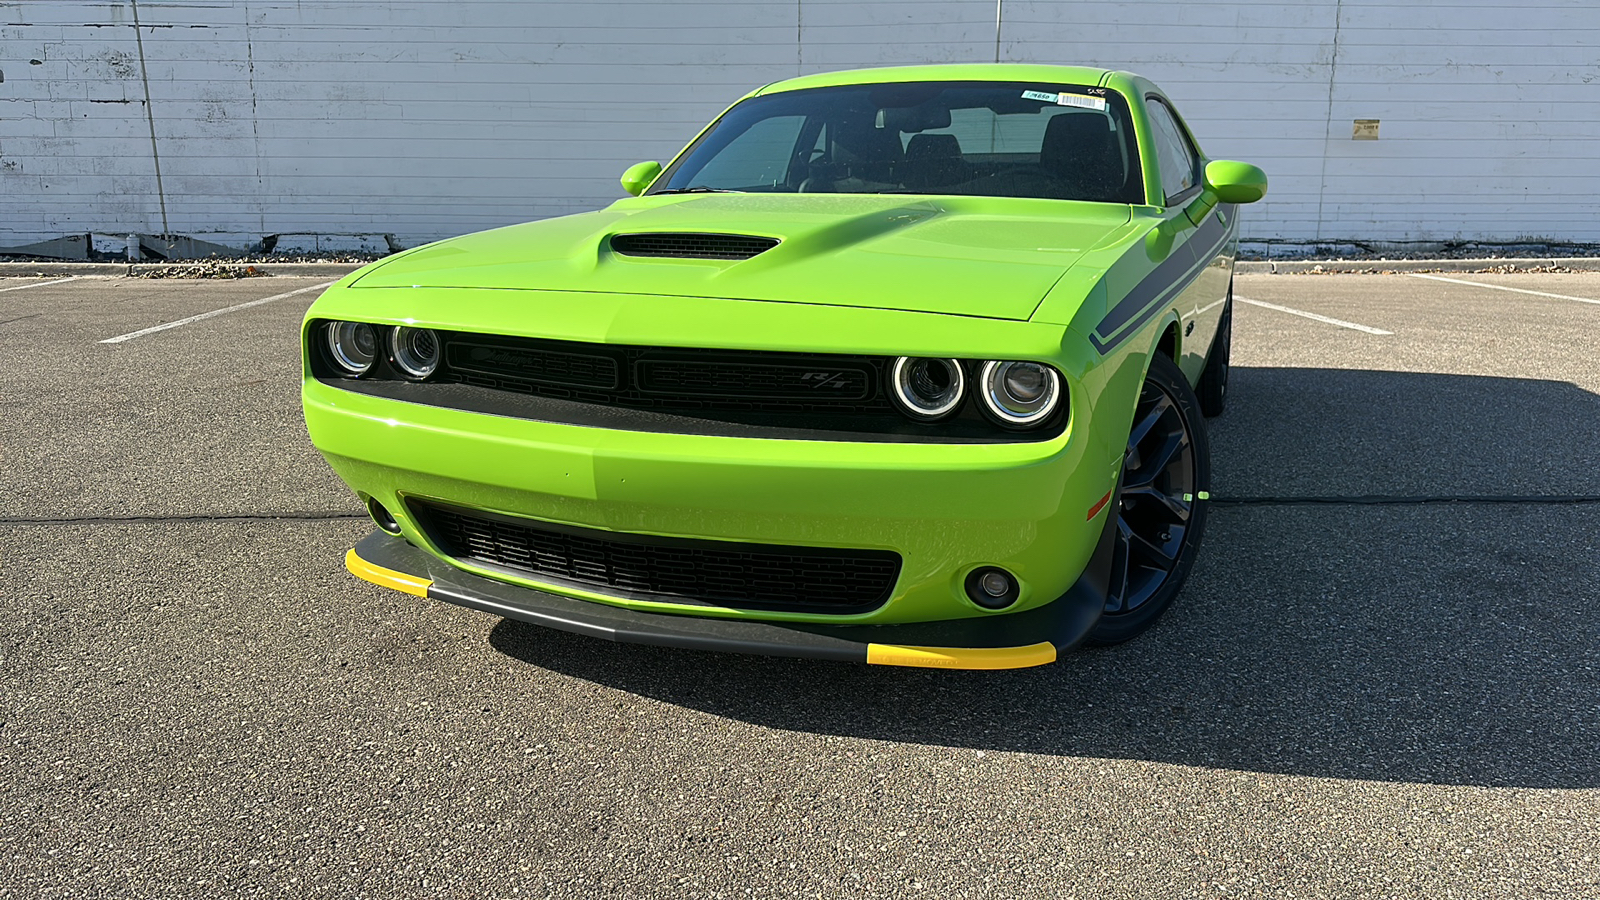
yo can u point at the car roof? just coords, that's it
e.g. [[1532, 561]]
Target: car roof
[[958, 72]]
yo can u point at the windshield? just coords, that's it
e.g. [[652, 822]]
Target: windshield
[[997, 139]]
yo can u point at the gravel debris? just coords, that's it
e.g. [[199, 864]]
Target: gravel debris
[[1380, 251], [1333, 268], [204, 269]]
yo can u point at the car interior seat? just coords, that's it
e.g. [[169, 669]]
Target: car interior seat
[[1081, 151]]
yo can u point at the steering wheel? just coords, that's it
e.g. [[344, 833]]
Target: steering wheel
[[820, 172]]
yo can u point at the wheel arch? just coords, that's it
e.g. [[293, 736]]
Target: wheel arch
[[1169, 340]]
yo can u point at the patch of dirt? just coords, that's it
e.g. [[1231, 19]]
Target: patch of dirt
[[1501, 269], [1378, 253], [208, 269]]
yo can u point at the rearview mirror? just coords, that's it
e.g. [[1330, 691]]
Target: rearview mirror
[[639, 176]]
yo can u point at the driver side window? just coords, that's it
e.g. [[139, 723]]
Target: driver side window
[[1180, 165]]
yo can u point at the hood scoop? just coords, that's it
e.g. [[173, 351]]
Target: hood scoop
[[691, 245]]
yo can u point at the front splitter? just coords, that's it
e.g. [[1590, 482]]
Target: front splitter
[[1004, 641]]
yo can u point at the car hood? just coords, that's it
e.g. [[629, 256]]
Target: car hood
[[972, 256]]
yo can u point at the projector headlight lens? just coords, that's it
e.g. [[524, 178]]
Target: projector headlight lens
[[928, 389], [415, 351], [1020, 394], [353, 346]]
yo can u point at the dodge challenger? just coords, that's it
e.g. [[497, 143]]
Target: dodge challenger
[[905, 366]]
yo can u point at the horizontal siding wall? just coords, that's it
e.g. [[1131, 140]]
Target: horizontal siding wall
[[1489, 113], [420, 119]]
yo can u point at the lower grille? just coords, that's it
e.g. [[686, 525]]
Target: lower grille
[[678, 570]]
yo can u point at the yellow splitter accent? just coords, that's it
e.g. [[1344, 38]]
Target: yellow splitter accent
[[388, 578], [1038, 654], [1042, 653]]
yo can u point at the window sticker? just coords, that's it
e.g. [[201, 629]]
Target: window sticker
[[1095, 103], [1080, 100]]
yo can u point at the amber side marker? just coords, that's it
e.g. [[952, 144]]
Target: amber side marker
[[1095, 509]]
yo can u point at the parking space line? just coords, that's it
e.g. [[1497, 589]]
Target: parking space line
[[23, 287], [212, 314], [1499, 287], [1311, 315]]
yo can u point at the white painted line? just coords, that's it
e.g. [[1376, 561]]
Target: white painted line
[[23, 287], [207, 315], [1300, 312], [1499, 287]]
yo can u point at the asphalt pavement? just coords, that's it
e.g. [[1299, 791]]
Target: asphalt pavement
[[1383, 679]]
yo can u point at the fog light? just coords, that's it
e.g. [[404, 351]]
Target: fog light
[[992, 588], [381, 516], [994, 584]]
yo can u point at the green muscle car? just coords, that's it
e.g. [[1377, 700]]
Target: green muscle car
[[905, 366]]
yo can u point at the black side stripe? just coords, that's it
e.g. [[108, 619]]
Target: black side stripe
[[1174, 274]]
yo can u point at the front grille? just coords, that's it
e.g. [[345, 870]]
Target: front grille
[[515, 361], [677, 570], [650, 378], [692, 246], [739, 378], [783, 395]]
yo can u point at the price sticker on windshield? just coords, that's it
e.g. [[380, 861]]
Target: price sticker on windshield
[[1095, 103], [1079, 100]]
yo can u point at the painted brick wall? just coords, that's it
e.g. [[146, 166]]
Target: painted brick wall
[[337, 122]]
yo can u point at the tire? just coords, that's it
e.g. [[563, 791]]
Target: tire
[[1213, 387], [1160, 516]]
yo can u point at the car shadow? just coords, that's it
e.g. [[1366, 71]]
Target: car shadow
[[1415, 641]]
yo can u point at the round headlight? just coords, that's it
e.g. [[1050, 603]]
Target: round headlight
[[415, 350], [353, 346], [1020, 394], [928, 388]]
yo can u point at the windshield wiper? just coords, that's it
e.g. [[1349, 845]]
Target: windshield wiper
[[701, 189]]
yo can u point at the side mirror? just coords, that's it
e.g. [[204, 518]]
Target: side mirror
[[1227, 181], [639, 176], [1235, 182]]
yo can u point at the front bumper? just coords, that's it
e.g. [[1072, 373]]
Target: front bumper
[[1032, 509], [1016, 640]]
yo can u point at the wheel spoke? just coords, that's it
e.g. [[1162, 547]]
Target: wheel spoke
[[1117, 596], [1151, 552], [1152, 415], [1177, 509], [1158, 461]]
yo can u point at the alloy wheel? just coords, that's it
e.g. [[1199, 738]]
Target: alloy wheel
[[1159, 484]]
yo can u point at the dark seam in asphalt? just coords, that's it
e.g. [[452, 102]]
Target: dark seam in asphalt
[[136, 520], [1536, 500], [20, 318]]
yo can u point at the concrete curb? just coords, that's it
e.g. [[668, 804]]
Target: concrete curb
[[305, 270], [1370, 266]]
